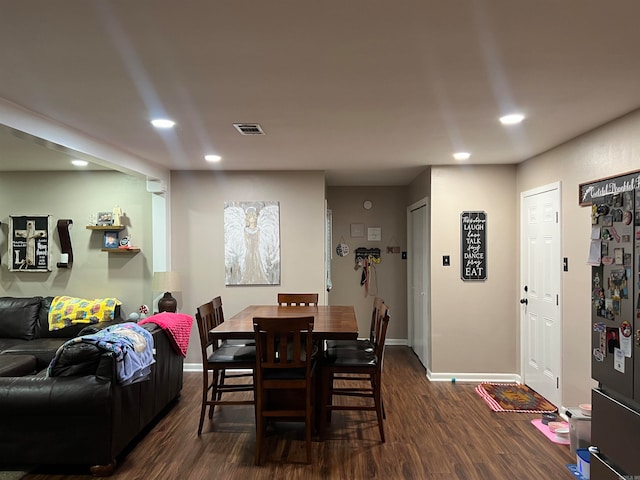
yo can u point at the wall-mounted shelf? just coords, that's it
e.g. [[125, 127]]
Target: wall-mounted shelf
[[111, 228], [120, 250]]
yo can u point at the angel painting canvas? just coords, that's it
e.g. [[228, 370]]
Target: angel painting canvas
[[252, 243]]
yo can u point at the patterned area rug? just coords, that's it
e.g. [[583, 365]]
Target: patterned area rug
[[513, 397]]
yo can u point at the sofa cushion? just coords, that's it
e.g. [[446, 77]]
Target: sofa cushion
[[43, 349], [19, 316], [6, 343], [17, 365]]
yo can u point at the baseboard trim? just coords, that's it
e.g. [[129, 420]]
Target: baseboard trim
[[474, 377]]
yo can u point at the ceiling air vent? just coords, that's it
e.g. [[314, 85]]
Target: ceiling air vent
[[249, 128]]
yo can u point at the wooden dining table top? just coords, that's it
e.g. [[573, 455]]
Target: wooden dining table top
[[332, 322]]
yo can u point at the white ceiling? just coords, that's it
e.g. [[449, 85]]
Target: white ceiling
[[370, 91]]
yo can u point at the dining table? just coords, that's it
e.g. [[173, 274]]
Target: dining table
[[331, 322]]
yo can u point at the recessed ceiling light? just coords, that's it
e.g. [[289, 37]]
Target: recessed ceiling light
[[212, 158], [461, 155], [512, 119], [163, 123], [79, 163]]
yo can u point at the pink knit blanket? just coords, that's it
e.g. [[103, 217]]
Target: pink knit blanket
[[176, 325]]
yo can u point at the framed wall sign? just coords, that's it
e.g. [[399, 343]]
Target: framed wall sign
[[29, 243], [473, 242], [602, 187]]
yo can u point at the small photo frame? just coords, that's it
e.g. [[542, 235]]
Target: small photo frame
[[357, 230], [105, 218], [110, 240], [374, 234]]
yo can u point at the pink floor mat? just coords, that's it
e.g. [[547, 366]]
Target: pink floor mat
[[548, 433]]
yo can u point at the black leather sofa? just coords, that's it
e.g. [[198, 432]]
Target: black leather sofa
[[81, 416]]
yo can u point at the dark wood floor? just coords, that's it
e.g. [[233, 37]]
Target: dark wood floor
[[434, 431]]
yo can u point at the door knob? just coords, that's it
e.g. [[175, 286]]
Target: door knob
[[524, 301]]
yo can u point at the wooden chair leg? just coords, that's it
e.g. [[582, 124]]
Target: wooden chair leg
[[308, 427], [214, 393], [378, 402], [221, 384], [260, 431], [205, 395], [325, 398]]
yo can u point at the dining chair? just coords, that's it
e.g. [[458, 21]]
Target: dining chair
[[374, 332], [216, 359], [367, 344], [354, 366], [284, 366], [292, 299], [219, 320], [218, 314]]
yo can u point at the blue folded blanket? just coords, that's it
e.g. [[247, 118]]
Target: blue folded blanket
[[131, 345]]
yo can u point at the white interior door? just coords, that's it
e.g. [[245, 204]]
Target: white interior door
[[540, 291], [418, 281]]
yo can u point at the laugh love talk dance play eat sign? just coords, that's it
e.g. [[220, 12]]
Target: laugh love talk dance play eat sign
[[473, 232]]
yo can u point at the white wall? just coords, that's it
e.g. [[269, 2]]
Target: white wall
[[197, 233], [77, 195]]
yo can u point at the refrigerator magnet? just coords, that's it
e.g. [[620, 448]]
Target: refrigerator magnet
[[625, 329], [597, 354], [618, 360]]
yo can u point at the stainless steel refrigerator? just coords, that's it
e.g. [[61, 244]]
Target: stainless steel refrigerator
[[615, 325]]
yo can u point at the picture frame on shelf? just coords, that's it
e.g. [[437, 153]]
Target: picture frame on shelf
[[105, 218], [110, 239]]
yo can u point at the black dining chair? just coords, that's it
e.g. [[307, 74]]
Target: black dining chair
[[218, 314], [374, 332], [284, 365], [217, 358], [360, 370]]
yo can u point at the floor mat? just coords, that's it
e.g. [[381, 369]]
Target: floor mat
[[548, 433], [513, 397]]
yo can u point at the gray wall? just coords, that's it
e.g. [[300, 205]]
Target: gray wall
[[197, 249], [474, 323], [388, 213], [475, 326], [77, 195], [606, 151]]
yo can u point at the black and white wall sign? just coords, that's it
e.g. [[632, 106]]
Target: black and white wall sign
[[473, 241], [29, 243]]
